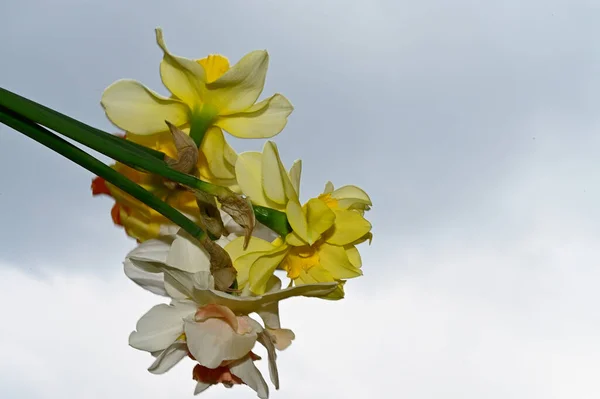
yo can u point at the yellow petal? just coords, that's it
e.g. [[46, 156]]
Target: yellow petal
[[295, 173], [248, 171], [235, 248], [244, 259], [134, 108], [349, 197], [349, 226], [353, 255], [215, 65], [275, 180], [238, 88], [183, 77], [264, 267], [216, 150], [335, 261], [297, 219], [328, 188], [272, 180], [319, 218], [318, 275], [295, 240], [265, 119]]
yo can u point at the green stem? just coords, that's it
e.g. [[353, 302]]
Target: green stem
[[129, 153], [60, 122], [68, 150], [120, 150], [273, 219]]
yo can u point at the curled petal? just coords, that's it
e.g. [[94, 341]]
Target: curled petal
[[183, 77]]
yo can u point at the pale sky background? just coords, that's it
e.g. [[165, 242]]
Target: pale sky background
[[472, 124]]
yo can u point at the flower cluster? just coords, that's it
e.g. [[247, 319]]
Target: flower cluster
[[214, 284]]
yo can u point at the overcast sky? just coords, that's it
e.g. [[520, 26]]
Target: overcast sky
[[473, 126]]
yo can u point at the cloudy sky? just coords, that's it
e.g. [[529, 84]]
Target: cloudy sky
[[473, 126]]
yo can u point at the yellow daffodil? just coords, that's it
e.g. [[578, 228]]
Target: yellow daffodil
[[326, 230], [207, 95]]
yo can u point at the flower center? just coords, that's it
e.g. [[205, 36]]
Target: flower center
[[201, 119], [300, 259], [332, 203]]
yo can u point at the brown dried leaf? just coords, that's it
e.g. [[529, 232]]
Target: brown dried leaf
[[221, 266], [187, 151], [240, 209], [210, 217]]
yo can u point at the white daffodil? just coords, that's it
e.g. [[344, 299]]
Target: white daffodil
[[211, 326]]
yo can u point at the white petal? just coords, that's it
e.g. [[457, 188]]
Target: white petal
[[160, 326], [146, 276], [201, 387], [186, 254], [247, 372], [213, 341], [141, 264], [265, 339], [169, 358], [250, 304]]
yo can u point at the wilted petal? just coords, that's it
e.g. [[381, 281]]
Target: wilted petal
[[349, 226], [282, 337], [160, 326], [239, 87], [134, 108], [247, 372], [266, 340], [169, 357], [214, 341], [264, 120]]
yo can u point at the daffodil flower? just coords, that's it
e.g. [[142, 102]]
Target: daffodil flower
[[211, 326], [326, 230], [207, 95]]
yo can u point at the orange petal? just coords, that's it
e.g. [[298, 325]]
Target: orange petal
[[99, 186]]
